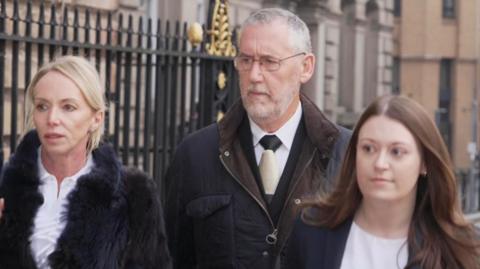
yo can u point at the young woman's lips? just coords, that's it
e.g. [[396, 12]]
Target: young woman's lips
[[380, 180]]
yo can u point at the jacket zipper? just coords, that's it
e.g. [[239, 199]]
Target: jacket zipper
[[272, 237]]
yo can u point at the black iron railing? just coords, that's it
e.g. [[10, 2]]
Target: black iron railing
[[159, 87]]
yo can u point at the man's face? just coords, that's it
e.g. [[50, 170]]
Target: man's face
[[271, 97]]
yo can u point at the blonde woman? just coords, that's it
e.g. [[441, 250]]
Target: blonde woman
[[68, 202]]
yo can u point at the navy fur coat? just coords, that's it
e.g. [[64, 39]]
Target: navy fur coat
[[114, 217]]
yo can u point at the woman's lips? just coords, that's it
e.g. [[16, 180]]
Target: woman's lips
[[380, 179], [52, 135]]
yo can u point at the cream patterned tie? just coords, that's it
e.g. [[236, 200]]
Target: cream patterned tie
[[268, 164]]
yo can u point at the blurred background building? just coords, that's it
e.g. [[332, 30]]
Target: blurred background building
[[436, 47]]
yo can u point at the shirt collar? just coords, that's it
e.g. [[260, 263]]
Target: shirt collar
[[44, 174], [286, 133]]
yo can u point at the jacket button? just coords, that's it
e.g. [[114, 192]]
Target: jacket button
[[226, 153], [265, 253], [297, 201]]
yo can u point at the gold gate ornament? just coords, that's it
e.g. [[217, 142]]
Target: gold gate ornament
[[220, 36]]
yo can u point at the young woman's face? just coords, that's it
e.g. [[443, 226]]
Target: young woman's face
[[388, 161]]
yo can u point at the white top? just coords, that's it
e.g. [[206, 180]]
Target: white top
[[50, 219], [286, 134], [366, 251]]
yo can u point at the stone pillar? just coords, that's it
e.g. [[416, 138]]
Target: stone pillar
[[313, 15]]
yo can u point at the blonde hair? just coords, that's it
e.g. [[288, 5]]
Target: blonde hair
[[85, 77]]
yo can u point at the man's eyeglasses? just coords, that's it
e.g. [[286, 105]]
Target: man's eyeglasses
[[245, 63]]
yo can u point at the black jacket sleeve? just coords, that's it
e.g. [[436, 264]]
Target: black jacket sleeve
[[147, 248], [179, 225]]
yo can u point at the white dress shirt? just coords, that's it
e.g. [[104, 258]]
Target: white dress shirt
[[366, 251], [50, 219], [286, 134]]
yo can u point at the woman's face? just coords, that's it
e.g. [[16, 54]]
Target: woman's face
[[388, 161], [61, 116]]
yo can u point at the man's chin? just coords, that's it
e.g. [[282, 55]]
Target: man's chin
[[261, 117]]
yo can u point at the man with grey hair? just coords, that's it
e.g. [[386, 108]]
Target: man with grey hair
[[235, 187]]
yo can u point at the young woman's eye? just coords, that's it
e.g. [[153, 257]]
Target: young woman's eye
[[367, 148], [398, 152]]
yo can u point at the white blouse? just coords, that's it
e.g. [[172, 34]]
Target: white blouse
[[50, 219], [366, 251]]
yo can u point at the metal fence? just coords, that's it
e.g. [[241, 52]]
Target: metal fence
[[159, 86]]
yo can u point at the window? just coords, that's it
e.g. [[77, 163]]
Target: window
[[445, 81], [444, 101], [397, 8], [396, 76], [448, 8]]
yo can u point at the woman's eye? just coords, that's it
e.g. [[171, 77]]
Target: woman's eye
[[367, 148], [398, 152], [69, 107], [41, 107]]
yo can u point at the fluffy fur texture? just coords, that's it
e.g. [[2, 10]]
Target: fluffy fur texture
[[114, 217]]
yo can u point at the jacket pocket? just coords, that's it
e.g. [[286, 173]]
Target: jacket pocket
[[213, 230]]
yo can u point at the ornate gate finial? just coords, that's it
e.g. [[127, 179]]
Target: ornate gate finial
[[220, 36]]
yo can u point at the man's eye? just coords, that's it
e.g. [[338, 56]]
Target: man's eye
[[269, 61], [245, 60]]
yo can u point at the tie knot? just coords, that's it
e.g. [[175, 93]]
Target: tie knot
[[270, 142]]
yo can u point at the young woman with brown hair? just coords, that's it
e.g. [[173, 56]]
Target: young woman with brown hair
[[395, 204]]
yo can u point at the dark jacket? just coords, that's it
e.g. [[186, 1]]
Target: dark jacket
[[216, 214], [114, 217], [313, 247]]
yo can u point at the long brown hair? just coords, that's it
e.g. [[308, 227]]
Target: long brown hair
[[439, 235]]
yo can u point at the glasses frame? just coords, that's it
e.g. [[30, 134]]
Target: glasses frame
[[260, 62]]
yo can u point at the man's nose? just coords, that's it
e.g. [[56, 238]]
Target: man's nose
[[255, 72]]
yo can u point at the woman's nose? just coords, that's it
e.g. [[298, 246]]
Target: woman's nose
[[381, 162], [53, 117]]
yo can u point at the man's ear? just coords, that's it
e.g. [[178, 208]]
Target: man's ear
[[308, 67]]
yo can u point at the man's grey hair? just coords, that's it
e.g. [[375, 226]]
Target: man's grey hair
[[299, 35]]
